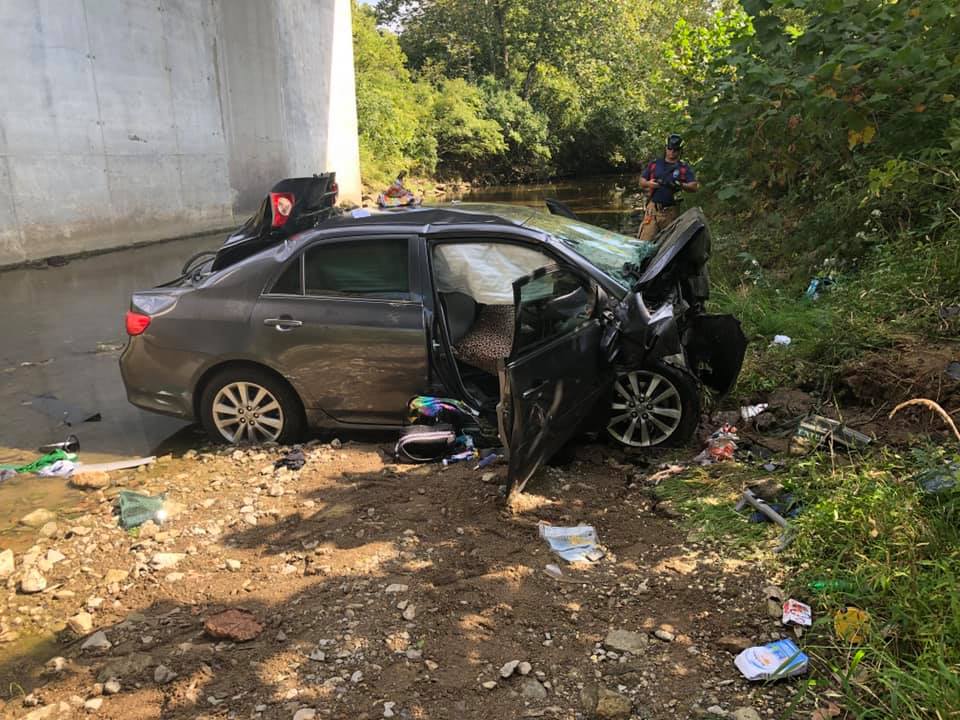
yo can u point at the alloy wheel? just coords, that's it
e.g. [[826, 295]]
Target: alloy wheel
[[245, 411], [646, 409]]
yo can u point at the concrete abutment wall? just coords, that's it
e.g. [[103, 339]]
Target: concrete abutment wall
[[125, 121]]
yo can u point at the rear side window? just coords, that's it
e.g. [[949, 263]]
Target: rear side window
[[289, 281], [359, 268]]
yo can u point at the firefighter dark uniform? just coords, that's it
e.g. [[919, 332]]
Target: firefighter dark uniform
[[661, 208]]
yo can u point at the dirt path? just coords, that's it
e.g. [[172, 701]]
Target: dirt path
[[314, 554]]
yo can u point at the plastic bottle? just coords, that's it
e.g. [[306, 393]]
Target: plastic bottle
[[831, 585]]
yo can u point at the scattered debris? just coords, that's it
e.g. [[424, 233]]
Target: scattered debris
[[116, 465], [851, 625], [573, 544], [135, 509], [233, 624], [293, 460], [748, 412], [781, 340], [937, 480], [720, 447], [817, 430], [953, 370], [773, 661], [797, 613], [70, 445]]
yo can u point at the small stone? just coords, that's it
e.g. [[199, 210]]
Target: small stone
[[318, 656], [162, 675], [54, 556], [275, 491], [734, 644], [507, 669], [249, 518], [234, 565], [48, 712], [488, 477], [97, 642], [664, 635], [627, 641], [305, 714], [125, 666], [489, 685], [93, 480], [7, 564], [50, 530], [533, 689], [431, 665], [388, 709], [612, 705], [38, 518], [81, 623], [165, 561], [396, 588], [356, 677], [174, 577], [33, 581], [93, 704], [56, 665], [336, 444], [524, 668], [111, 687], [115, 577], [410, 612], [281, 637], [745, 713], [717, 710]]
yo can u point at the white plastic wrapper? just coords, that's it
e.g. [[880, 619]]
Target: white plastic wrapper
[[484, 271]]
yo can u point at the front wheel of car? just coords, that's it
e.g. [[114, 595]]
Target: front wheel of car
[[247, 404], [656, 405]]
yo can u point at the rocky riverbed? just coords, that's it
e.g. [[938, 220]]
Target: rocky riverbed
[[366, 589]]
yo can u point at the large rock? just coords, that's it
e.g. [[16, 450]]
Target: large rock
[[627, 641], [233, 624], [165, 561], [91, 480], [97, 642], [612, 705], [38, 518], [81, 623], [33, 581], [127, 666], [49, 712], [532, 689], [7, 564]]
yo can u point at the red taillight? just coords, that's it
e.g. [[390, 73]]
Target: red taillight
[[335, 189], [282, 204], [136, 322]]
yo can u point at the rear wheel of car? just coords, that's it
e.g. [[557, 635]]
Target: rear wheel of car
[[246, 404], [656, 405]]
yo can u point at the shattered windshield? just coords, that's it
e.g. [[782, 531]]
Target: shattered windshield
[[604, 249]]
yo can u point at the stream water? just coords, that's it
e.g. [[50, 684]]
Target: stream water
[[62, 330]]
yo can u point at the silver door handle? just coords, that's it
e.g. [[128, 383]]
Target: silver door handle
[[283, 324]]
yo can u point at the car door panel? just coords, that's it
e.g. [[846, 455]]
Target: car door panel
[[359, 359], [555, 374]]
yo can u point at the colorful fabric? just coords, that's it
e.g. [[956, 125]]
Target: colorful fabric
[[41, 462], [435, 409]]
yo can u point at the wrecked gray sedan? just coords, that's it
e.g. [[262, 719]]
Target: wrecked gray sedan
[[545, 324]]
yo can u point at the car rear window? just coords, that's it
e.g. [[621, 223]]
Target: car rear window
[[359, 268]]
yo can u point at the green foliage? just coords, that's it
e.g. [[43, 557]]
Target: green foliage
[[464, 134]]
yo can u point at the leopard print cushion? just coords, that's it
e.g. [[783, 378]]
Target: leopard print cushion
[[490, 338]]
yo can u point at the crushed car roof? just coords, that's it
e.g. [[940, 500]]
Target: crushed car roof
[[427, 216]]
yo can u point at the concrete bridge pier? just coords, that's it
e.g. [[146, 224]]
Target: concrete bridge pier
[[128, 121]]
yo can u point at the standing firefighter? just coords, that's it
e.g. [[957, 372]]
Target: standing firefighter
[[664, 178]]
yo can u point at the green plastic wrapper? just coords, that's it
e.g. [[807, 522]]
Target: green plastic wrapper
[[136, 509]]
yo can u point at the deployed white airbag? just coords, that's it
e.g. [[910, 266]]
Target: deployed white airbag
[[484, 271]]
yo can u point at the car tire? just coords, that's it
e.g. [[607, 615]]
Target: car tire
[[653, 406], [238, 394]]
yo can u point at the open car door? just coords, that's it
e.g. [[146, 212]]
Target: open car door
[[555, 374]]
